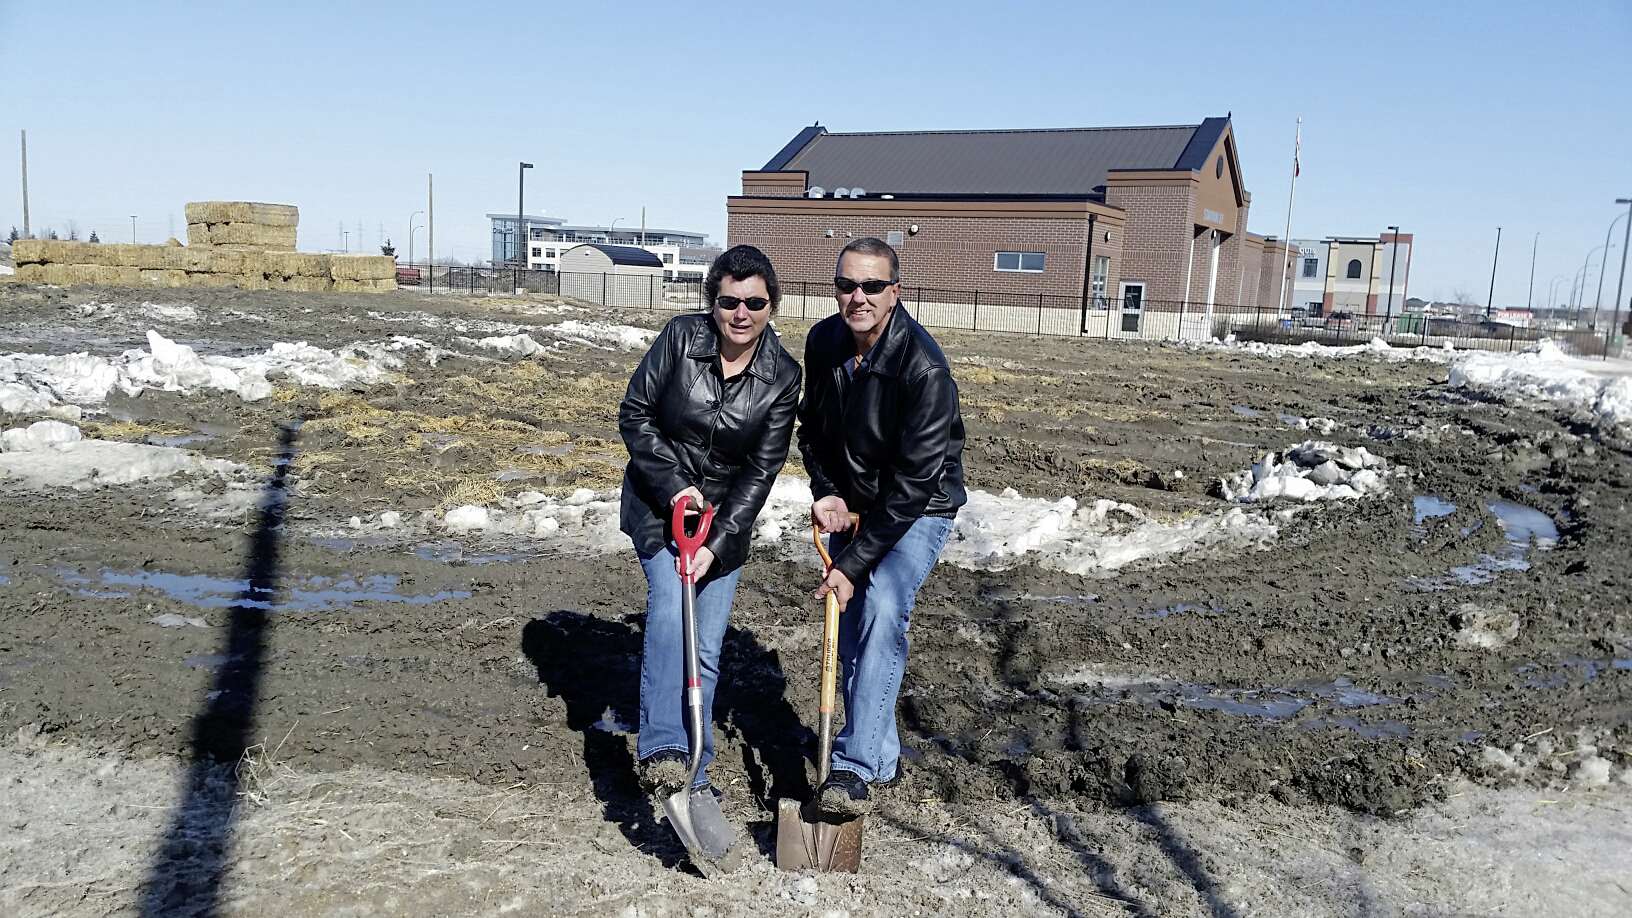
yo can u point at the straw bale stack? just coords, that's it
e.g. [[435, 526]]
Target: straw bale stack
[[243, 212], [364, 268]]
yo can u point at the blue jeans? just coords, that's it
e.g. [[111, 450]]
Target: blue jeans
[[662, 664], [873, 648]]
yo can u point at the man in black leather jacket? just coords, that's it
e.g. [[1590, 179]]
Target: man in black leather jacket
[[709, 412], [881, 436]]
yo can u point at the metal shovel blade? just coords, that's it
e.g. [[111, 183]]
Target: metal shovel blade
[[709, 839], [826, 847]]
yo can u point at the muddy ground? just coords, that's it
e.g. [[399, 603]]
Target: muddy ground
[[1330, 672]]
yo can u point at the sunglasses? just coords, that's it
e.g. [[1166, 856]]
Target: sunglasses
[[847, 286], [730, 303]]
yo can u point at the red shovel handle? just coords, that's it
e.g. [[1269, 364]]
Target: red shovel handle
[[689, 543]]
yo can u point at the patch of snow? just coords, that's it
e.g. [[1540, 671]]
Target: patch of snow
[[53, 454], [1602, 388], [1376, 347], [32, 383], [1312, 470], [602, 335], [992, 532], [7, 269], [507, 345]]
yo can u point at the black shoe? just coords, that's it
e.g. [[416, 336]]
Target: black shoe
[[665, 772], [844, 795]]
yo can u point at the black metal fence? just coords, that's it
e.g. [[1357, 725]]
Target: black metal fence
[[1032, 313]]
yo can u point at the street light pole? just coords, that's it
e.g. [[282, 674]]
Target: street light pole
[[1599, 296], [1393, 259], [1552, 293], [1626, 236], [1581, 282], [1490, 299], [411, 229], [1529, 297], [521, 225], [133, 229]]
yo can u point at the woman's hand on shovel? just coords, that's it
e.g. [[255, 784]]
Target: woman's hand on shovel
[[700, 563], [839, 585]]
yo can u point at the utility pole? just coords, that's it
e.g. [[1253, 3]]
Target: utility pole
[[1532, 294], [133, 228], [1286, 258], [430, 230], [1490, 299], [1393, 260], [521, 218], [643, 226], [27, 234]]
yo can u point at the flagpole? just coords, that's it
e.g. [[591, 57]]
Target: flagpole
[[1297, 144]]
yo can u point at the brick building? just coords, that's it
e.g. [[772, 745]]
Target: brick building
[[1120, 229]]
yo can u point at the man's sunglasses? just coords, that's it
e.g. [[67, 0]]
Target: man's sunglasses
[[847, 286], [730, 303]]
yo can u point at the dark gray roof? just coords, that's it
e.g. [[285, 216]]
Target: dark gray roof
[[627, 255], [1060, 161]]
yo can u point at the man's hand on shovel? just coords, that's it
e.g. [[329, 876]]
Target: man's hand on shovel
[[839, 585]]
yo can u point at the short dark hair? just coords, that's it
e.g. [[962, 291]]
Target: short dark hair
[[741, 262], [871, 245]]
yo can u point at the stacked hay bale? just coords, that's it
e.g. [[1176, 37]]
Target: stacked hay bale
[[243, 226], [233, 244]]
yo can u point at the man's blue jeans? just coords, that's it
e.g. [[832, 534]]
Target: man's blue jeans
[[662, 665], [873, 648]]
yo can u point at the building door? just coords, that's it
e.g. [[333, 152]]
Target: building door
[[1133, 305]]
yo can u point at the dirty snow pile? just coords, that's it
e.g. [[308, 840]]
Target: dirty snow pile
[[602, 335], [1312, 470], [33, 383], [992, 532], [1600, 387], [519, 345], [54, 454], [1376, 347]]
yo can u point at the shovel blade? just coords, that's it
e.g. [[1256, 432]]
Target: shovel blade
[[825, 847], [710, 840]]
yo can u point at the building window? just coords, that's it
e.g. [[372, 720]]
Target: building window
[[668, 258], [1029, 262], [1354, 268], [538, 252], [535, 233], [1102, 271], [1218, 168], [549, 253], [1310, 266]]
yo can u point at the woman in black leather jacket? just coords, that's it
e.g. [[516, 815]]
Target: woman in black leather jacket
[[709, 413]]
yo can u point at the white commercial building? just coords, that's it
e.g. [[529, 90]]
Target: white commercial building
[[684, 255]]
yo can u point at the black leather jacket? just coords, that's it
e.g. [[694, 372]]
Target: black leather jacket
[[889, 440], [684, 425]]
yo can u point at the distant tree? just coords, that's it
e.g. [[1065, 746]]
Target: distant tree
[[51, 235], [14, 236], [388, 249], [1464, 298], [93, 237], [73, 234]]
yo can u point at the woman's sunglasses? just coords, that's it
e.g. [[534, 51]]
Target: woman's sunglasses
[[847, 286], [730, 303]]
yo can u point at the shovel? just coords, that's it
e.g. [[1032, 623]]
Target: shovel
[[695, 813], [806, 840]]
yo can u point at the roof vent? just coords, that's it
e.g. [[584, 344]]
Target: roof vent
[[857, 192], [841, 192], [815, 191]]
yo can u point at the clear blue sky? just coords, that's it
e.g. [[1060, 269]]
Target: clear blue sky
[[1448, 119]]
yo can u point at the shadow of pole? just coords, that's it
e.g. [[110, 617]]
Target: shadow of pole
[[187, 873], [1185, 858]]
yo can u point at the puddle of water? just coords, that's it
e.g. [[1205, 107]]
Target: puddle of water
[[206, 661], [538, 450], [1525, 526], [1182, 608], [1429, 507], [183, 440], [4, 580], [1246, 412], [1570, 671], [609, 723], [312, 594], [1525, 529], [449, 551], [1064, 599]]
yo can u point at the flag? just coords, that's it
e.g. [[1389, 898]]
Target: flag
[[1297, 147]]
